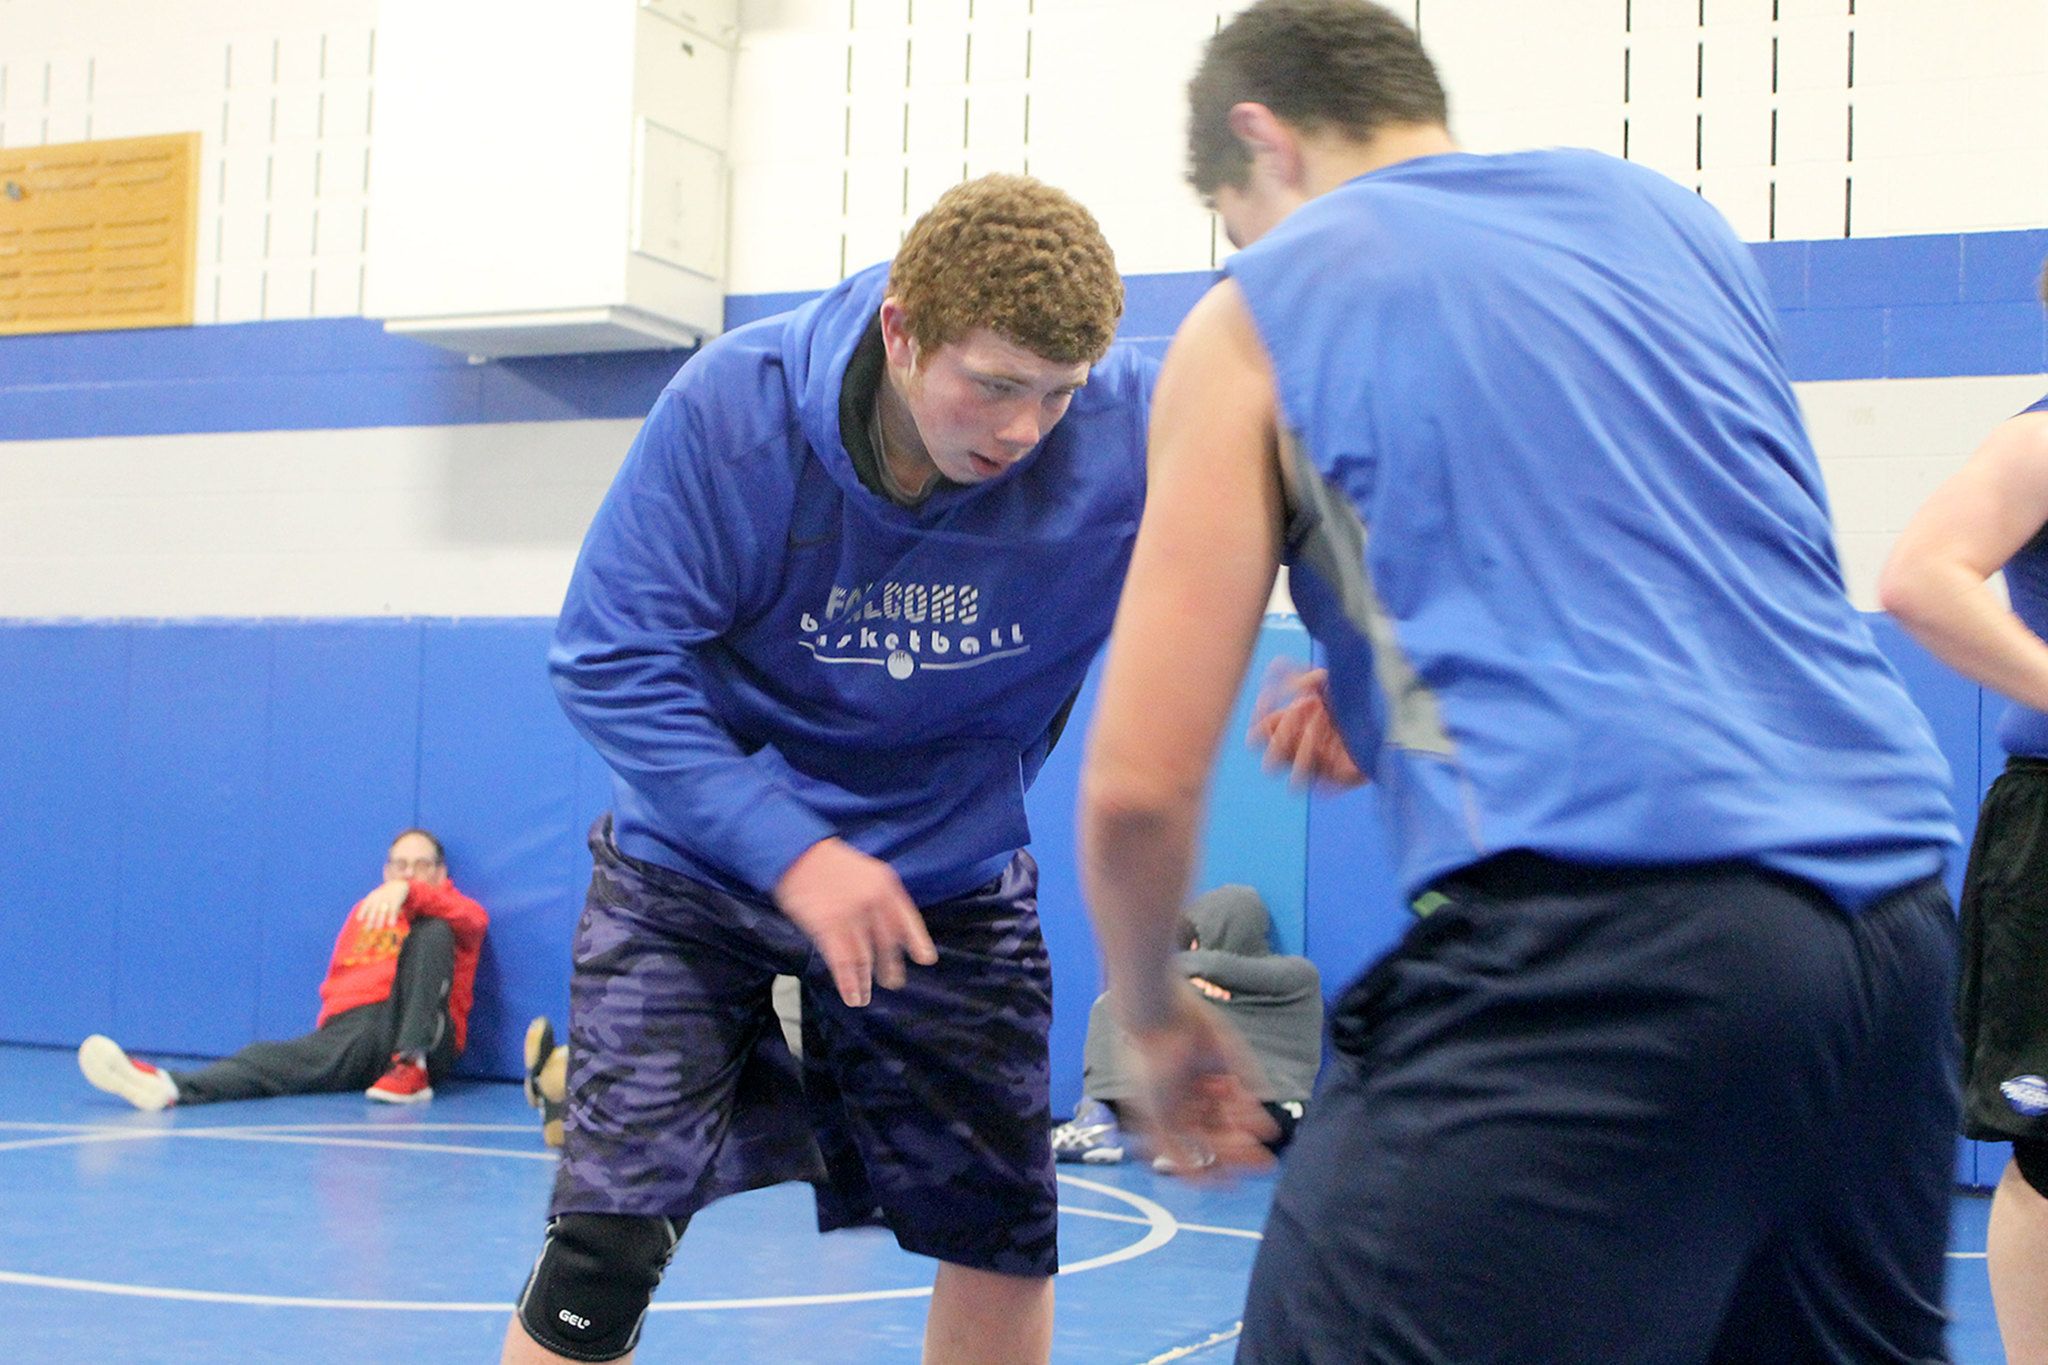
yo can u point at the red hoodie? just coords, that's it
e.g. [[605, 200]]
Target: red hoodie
[[366, 961]]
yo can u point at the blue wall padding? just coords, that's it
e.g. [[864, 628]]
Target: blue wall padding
[[1988, 1162], [1256, 834], [1258, 826], [1991, 755], [342, 777], [1355, 908], [498, 765], [193, 829], [190, 808], [62, 858], [1069, 941]]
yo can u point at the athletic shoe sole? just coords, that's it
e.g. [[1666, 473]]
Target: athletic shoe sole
[[554, 1092], [1093, 1146], [547, 1078], [383, 1096], [540, 1043], [106, 1066]]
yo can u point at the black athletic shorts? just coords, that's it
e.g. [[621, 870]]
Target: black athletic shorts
[[2002, 1008], [1644, 1117]]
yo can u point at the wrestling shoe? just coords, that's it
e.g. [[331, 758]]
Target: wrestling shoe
[[1091, 1136]]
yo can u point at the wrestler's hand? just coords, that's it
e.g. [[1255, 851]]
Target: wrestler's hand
[[1197, 1093], [855, 911], [1291, 721], [383, 907]]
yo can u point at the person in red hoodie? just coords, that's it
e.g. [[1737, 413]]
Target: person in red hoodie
[[394, 1009]]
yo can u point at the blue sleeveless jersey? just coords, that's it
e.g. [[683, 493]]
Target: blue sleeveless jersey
[[2021, 729], [767, 653], [1555, 518]]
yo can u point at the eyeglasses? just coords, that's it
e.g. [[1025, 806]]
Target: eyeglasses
[[408, 867]]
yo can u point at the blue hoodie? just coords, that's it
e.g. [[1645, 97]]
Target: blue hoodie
[[769, 654]]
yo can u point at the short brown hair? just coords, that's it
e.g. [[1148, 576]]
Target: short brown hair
[[440, 854], [1014, 255], [1343, 64]]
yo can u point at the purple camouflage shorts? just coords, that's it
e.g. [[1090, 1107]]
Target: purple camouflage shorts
[[927, 1111]]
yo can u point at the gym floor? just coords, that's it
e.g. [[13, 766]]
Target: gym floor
[[327, 1229]]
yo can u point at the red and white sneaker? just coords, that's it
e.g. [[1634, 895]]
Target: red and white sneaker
[[404, 1083], [103, 1063]]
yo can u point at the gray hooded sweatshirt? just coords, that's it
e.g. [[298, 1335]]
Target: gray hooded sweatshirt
[[1275, 1003]]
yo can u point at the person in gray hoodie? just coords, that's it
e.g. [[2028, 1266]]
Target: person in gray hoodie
[[1273, 1000]]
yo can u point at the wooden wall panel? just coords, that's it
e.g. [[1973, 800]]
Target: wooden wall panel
[[98, 235]]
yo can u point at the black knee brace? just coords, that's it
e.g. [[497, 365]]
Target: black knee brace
[[2031, 1156], [588, 1292]]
